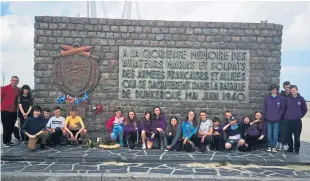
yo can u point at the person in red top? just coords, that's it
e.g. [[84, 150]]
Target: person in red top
[[9, 109]]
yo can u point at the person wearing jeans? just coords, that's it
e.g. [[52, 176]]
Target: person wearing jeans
[[116, 127], [273, 111], [295, 109]]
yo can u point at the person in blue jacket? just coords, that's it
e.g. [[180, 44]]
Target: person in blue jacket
[[295, 109], [189, 129], [273, 111]]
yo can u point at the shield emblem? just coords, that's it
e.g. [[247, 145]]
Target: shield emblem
[[75, 70]]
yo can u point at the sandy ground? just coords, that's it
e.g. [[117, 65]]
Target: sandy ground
[[305, 134]]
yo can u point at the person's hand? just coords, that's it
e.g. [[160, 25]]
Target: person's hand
[[170, 134], [76, 137], [159, 129], [72, 137], [169, 147], [184, 141], [32, 136], [261, 137], [53, 131], [153, 135], [216, 133], [209, 134], [136, 128], [25, 116], [203, 139]]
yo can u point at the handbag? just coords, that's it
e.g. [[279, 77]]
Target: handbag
[[253, 131]]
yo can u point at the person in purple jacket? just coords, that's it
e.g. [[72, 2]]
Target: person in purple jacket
[[147, 133], [159, 122], [273, 111], [131, 130], [295, 109]]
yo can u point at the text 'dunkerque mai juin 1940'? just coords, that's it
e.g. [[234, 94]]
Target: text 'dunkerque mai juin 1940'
[[173, 74]]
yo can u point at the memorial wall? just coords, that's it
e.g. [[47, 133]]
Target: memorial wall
[[139, 64]]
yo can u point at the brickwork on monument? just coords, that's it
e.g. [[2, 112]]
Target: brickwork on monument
[[261, 40]]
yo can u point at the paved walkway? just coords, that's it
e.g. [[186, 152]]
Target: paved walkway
[[96, 155]]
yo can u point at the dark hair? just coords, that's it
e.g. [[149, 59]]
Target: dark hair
[[57, 108], [286, 83], [195, 122], [118, 109], [46, 110], [216, 119], [128, 118], [37, 108], [247, 117], [161, 113], [273, 86], [148, 112], [227, 112], [26, 87], [203, 111], [14, 77], [172, 128], [293, 86]]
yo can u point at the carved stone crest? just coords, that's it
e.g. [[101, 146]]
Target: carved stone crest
[[76, 70]]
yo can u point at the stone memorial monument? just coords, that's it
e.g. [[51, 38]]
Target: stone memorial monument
[[139, 64]]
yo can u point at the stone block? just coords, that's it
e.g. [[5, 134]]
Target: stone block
[[89, 27], [117, 35], [48, 33], [197, 31], [164, 30]]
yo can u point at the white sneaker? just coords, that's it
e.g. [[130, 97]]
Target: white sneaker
[[285, 147], [269, 149], [279, 146], [274, 150], [143, 147], [22, 144]]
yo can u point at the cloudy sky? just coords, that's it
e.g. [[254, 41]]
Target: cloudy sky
[[17, 30]]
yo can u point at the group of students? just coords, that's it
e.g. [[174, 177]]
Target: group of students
[[279, 121], [285, 109]]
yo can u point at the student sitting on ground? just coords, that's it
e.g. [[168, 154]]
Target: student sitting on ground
[[33, 128], [116, 127], [54, 127], [205, 130], [217, 135], [131, 130], [173, 139], [234, 132], [147, 134], [189, 130], [159, 122], [46, 115], [74, 127]]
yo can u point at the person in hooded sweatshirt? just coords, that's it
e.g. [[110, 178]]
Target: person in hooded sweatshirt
[[273, 111], [295, 109], [159, 122], [173, 139], [131, 130], [116, 127], [284, 94], [147, 131]]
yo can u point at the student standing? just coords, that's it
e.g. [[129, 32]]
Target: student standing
[[131, 129], [173, 139], [25, 103], [147, 131], [116, 127], [284, 94], [159, 122], [295, 109], [273, 111], [189, 130], [205, 131], [9, 110], [55, 126], [34, 128]]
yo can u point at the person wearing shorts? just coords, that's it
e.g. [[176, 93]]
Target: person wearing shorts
[[234, 131]]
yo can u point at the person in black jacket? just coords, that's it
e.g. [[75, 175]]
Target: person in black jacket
[[173, 139]]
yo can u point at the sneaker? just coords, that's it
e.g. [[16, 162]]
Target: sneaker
[[22, 144], [143, 147], [7, 145], [269, 149], [274, 150], [11, 144], [279, 146], [208, 148], [285, 147]]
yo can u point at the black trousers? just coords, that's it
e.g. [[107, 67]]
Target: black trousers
[[55, 137], [202, 146], [293, 127], [8, 121], [131, 139], [217, 142], [252, 142], [190, 144], [177, 146]]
